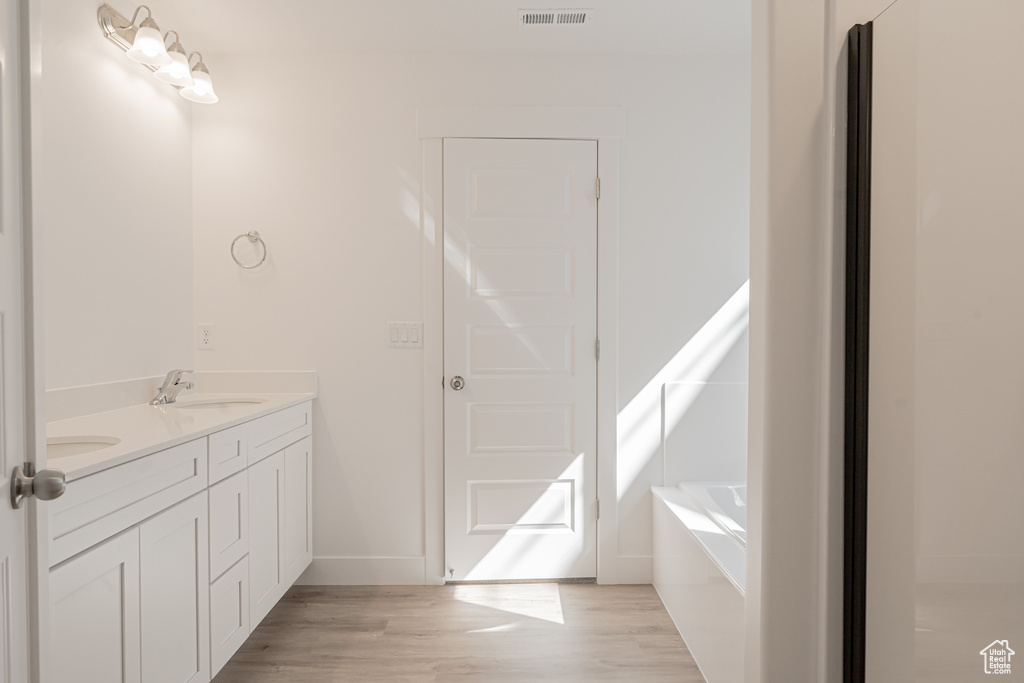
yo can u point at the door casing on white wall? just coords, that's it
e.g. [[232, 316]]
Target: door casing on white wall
[[605, 125], [22, 426]]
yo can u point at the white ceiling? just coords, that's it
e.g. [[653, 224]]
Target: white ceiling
[[285, 27]]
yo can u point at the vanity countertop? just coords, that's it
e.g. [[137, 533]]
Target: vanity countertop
[[145, 429]]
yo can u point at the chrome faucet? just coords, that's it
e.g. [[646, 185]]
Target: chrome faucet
[[172, 386]]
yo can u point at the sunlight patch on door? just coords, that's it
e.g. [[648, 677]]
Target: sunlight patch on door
[[535, 555], [521, 507]]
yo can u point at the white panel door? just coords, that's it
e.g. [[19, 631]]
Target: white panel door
[[520, 309], [14, 625], [175, 584]]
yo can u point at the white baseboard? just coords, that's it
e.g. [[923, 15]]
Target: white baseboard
[[365, 571], [411, 571], [629, 570]]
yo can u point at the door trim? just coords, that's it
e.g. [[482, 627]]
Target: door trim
[[30, 36], [606, 125]]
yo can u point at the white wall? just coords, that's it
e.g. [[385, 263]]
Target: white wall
[[321, 156], [114, 207]]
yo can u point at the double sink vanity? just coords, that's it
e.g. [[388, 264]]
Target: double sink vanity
[[181, 526]]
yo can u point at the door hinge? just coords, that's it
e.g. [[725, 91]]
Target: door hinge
[[597, 349], [597, 188], [599, 508]]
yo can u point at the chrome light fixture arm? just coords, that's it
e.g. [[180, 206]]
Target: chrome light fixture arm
[[119, 30]]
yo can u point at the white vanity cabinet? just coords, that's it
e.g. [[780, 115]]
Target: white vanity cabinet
[[160, 578]]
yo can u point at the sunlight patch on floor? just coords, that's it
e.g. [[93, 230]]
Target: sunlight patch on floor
[[536, 601]]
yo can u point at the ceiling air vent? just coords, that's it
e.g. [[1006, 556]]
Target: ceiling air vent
[[556, 17]]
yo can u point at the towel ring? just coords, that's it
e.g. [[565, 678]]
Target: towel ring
[[254, 237]]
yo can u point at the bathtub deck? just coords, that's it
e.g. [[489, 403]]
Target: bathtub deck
[[493, 633], [704, 601]]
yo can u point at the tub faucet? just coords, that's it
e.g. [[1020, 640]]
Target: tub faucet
[[172, 386]]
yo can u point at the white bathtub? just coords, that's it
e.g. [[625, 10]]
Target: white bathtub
[[700, 570]]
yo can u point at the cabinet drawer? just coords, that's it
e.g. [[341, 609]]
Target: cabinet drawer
[[229, 522], [229, 452], [101, 505], [269, 434], [229, 614]]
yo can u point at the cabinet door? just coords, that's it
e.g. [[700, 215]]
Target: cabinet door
[[266, 521], [175, 581], [94, 614], [298, 508], [229, 523]]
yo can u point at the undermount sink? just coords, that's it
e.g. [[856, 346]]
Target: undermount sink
[[64, 446], [211, 403]]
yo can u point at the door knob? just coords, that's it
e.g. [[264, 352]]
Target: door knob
[[45, 485], [458, 383]]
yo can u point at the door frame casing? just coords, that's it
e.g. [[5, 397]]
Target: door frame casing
[[29, 77], [606, 126]]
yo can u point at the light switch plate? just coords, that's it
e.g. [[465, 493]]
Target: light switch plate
[[404, 335]]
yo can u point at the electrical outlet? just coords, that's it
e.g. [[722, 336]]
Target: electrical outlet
[[207, 337]]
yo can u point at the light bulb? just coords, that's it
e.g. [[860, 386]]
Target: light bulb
[[177, 72], [148, 47], [201, 90]]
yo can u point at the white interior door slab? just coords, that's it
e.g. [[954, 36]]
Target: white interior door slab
[[520, 310], [14, 626]]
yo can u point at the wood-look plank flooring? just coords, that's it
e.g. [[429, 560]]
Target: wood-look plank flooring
[[491, 633]]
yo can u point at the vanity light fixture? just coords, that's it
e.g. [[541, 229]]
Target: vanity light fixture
[[177, 72], [148, 46], [145, 45], [201, 90]]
